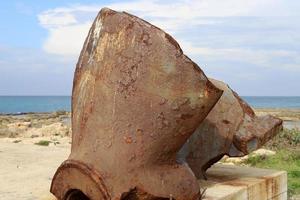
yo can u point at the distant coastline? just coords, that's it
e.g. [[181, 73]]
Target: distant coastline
[[20, 105], [275, 102]]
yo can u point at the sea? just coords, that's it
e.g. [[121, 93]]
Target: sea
[[27, 104]]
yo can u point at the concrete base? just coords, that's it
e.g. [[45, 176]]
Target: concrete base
[[227, 182]]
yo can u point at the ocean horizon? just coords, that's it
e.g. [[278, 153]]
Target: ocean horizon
[[27, 104]]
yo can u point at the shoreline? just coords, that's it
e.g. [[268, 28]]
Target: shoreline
[[34, 113], [55, 127], [286, 114], [68, 111]]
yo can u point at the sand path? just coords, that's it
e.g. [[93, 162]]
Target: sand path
[[26, 170]]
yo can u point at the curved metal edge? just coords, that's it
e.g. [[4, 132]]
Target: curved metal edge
[[85, 169]]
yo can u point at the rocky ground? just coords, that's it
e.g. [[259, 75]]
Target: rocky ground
[[33, 145], [36, 128], [284, 114]]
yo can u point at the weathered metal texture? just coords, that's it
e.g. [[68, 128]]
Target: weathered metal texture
[[231, 128], [136, 100]]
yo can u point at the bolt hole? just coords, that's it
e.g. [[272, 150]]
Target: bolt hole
[[76, 195]]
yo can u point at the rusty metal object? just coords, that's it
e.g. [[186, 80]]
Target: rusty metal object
[[231, 128], [136, 100]]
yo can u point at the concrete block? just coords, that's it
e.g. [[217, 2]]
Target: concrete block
[[227, 182]]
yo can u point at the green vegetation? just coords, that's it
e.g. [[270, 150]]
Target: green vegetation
[[286, 139], [283, 160], [293, 136], [287, 146], [43, 143]]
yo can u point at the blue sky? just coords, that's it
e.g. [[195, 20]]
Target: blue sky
[[253, 45]]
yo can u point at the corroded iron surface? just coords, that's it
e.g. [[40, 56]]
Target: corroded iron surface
[[231, 128], [136, 100]]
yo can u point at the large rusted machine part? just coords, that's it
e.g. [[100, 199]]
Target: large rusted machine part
[[136, 100], [231, 128]]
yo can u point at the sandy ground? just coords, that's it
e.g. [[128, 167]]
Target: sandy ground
[[26, 170], [287, 114]]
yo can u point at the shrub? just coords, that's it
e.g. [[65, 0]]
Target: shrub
[[43, 143]]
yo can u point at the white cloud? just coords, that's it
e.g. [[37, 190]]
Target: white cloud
[[53, 20], [67, 31], [263, 58], [67, 40], [68, 26]]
